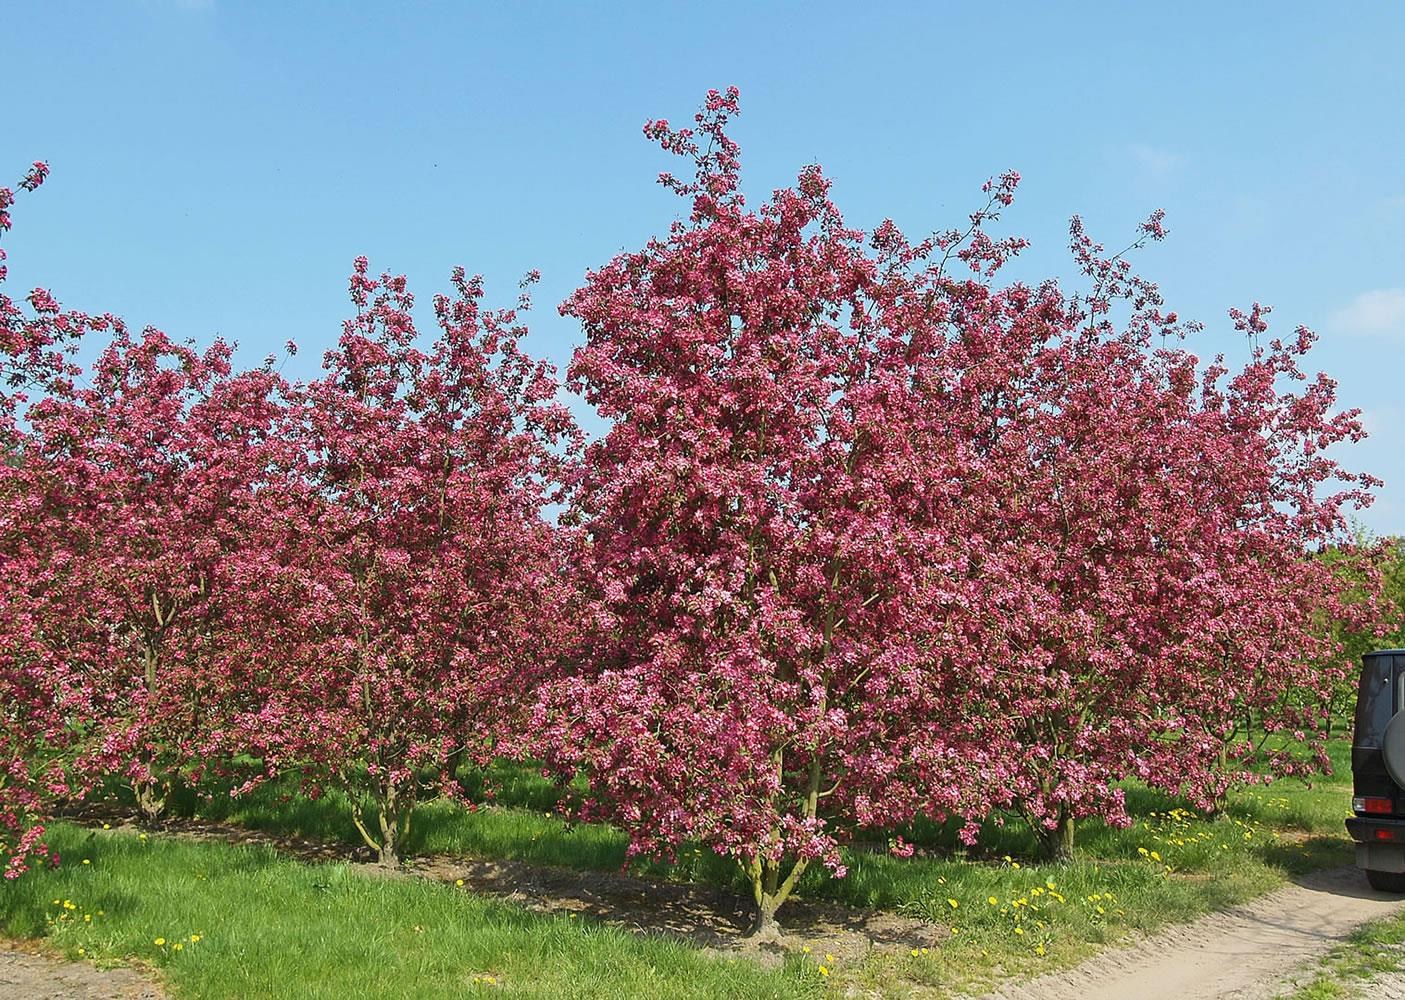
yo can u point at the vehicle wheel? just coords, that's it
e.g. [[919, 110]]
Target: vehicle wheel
[[1386, 881]]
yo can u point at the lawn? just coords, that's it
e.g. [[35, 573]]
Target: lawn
[[238, 921], [267, 922]]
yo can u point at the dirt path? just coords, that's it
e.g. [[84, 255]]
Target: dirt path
[[27, 976], [1244, 953]]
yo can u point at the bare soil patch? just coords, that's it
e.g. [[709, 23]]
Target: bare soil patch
[[29, 975]]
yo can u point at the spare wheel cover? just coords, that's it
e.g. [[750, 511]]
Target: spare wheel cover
[[1393, 748]]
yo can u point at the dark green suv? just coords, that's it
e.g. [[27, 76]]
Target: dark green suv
[[1378, 770]]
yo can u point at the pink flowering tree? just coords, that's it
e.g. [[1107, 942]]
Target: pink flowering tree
[[412, 589], [148, 471], [1152, 541], [38, 714], [777, 521], [1287, 577]]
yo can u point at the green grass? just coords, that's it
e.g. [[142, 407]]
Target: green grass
[[1171, 865], [1372, 949], [271, 927]]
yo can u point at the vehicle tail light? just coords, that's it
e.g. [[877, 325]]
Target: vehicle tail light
[[1372, 804], [1386, 834]]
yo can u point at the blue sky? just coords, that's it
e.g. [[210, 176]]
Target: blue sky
[[217, 165]]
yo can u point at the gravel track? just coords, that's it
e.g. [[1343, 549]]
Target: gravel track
[[1244, 953]]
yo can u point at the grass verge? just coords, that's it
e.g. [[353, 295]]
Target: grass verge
[[223, 921], [1011, 917]]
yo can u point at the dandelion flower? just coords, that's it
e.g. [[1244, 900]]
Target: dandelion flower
[[823, 971], [159, 942], [953, 903], [992, 901]]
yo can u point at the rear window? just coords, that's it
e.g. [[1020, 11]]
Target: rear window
[[1375, 701]]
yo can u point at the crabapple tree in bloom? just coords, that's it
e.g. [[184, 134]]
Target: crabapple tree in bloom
[[776, 520], [142, 482], [412, 591], [1151, 539], [37, 712], [1273, 607]]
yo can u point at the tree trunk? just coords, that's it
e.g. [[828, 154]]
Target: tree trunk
[[1220, 799], [1056, 842], [394, 829], [765, 927], [770, 891], [151, 799], [393, 823]]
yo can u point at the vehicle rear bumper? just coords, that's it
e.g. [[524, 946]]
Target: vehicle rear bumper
[[1380, 843]]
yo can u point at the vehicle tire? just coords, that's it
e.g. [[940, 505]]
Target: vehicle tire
[[1386, 881]]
